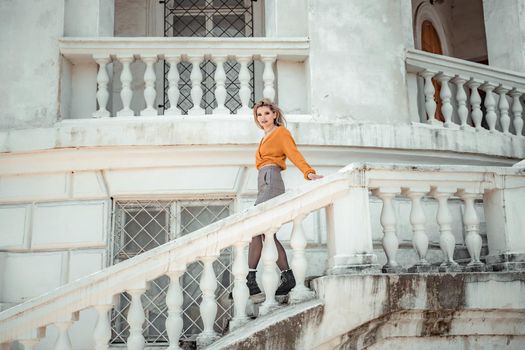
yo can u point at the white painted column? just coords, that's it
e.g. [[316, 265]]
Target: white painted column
[[517, 118], [196, 89], [461, 98], [244, 80], [102, 86], [173, 83], [63, 341], [349, 233], [475, 103], [270, 279], [174, 300], [490, 104], [446, 239], [125, 78], [102, 332], [503, 106], [299, 263], [388, 222], [473, 238], [417, 220], [149, 81], [445, 94], [136, 318], [220, 85], [268, 76], [240, 292], [208, 306]]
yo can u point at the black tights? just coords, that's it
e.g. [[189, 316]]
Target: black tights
[[255, 249]]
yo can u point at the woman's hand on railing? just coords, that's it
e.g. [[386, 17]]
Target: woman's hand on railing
[[313, 176]]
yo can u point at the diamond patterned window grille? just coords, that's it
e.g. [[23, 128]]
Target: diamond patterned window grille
[[139, 226], [207, 18]]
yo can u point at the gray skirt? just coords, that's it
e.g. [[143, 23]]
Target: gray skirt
[[269, 183]]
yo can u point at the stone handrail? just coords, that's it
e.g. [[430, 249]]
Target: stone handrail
[[192, 51], [345, 195], [463, 110]]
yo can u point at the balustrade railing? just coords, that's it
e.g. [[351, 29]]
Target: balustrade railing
[[173, 51], [345, 195], [472, 96]]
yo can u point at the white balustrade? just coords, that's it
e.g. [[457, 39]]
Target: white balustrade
[[136, 318], [126, 93], [445, 94], [220, 85], [102, 333], [461, 98], [444, 219], [149, 90], [173, 83], [474, 76], [244, 80], [240, 291], [473, 238], [63, 341], [174, 300], [299, 263], [196, 89], [31, 338], [270, 279], [388, 222], [208, 306], [417, 220], [102, 89], [268, 77]]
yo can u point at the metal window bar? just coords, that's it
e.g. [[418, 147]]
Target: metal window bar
[[208, 18], [142, 225]]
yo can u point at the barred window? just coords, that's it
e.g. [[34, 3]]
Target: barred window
[[139, 226]]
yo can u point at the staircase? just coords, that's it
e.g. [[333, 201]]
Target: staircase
[[345, 197]]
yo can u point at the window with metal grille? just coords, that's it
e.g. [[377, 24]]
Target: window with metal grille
[[208, 18], [139, 226]]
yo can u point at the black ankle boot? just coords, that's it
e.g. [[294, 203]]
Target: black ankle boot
[[251, 282], [287, 283]]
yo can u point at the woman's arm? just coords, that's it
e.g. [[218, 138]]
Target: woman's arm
[[291, 151]]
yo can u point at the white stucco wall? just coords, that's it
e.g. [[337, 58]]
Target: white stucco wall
[[29, 89], [356, 64]]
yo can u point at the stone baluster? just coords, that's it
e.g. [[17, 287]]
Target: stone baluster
[[244, 80], [445, 94], [446, 239], [517, 110], [461, 98], [388, 221], [196, 89], [63, 341], [270, 279], [299, 263], [149, 89], [490, 104], [102, 333], [32, 338], [136, 318], [174, 300], [173, 83], [503, 106], [125, 78], [475, 102], [208, 306], [102, 87], [220, 85], [429, 91], [473, 238], [417, 220], [268, 76], [240, 289]]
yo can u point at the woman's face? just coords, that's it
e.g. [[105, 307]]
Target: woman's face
[[266, 117]]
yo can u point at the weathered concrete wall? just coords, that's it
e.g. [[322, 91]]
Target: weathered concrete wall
[[427, 311], [29, 78], [356, 63]]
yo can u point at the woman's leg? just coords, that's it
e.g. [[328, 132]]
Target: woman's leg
[[255, 249]]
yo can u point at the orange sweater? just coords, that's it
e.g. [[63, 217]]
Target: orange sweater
[[277, 147]]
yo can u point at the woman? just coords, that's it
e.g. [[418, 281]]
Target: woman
[[270, 159]]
